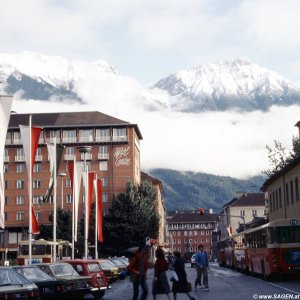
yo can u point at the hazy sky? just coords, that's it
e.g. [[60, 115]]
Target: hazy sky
[[147, 40]]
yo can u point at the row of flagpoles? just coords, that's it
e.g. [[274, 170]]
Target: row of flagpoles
[[30, 136]]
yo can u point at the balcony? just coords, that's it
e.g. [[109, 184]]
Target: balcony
[[88, 156], [8, 142], [103, 156], [67, 140], [17, 141], [103, 139], [85, 139], [38, 157], [19, 158], [69, 157], [119, 138], [52, 140], [6, 159]]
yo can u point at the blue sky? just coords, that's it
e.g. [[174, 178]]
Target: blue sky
[[148, 40]]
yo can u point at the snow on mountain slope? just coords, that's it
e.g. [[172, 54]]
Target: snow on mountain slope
[[229, 83]]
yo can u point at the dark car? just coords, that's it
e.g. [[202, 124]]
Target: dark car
[[75, 286], [110, 269], [92, 268], [49, 287], [15, 286], [120, 264]]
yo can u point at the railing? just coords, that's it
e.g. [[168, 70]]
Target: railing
[[103, 156], [17, 141], [68, 156], [52, 140], [103, 139], [85, 139], [69, 140], [38, 157], [118, 138], [88, 156], [19, 158]]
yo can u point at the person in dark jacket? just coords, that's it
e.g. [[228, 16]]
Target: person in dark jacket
[[138, 267], [182, 285], [160, 282]]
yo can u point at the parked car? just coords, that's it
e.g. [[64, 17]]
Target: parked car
[[92, 268], [15, 286], [49, 287], [110, 270], [125, 260], [75, 286], [121, 265], [193, 260]]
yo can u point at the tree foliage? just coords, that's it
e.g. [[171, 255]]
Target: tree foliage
[[279, 156], [133, 217]]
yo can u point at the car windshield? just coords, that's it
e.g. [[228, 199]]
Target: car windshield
[[11, 277], [34, 274], [118, 261], [94, 268], [63, 269], [107, 264]]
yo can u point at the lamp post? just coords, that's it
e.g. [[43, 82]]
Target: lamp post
[[85, 150], [62, 175]]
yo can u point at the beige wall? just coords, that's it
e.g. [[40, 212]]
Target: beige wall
[[277, 190], [162, 214]]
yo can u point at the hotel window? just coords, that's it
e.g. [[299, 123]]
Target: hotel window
[[5, 184], [254, 212], [12, 237], [185, 233], [5, 199], [88, 166], [105, 197], [36, 184], [6, 155], [202, 240], [103, 166], [207, 241], [190, 233], [119, 134], [19, 200], [292, 191], [20, 168], [37, 168], [69, 136], [68, 183], [191, 249], [276, 199], [38, 154], [19, 216], [103, 135], [296, 189], [20, 184], [38, 215], [5, 168], [287, 194], [5, 216], [202, 232], [53, 135], [178, 241], [190, 241], [69, 198], [86, 135], [70, 150], [179, 233], [20, 152], [242, 213], [270, 203], [103, 152], [8, 138], [37, 199], [17, 137], [104, 181], [207, 232]]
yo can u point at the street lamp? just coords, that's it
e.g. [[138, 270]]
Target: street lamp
[[85, 150], [62, 175]]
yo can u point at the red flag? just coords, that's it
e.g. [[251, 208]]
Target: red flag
[[35, 224], [71, 171], [90, 193], [99, 212]]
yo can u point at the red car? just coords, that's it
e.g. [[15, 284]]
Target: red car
[[92, 268]]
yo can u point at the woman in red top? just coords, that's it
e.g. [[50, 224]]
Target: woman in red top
[[160, 282]]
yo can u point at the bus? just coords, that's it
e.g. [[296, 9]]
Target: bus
[[269, 249], [42, 251]]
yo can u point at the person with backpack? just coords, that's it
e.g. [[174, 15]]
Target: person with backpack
[[201, 264]]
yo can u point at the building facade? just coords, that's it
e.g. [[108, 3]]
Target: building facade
[[241, 210], [114, 157], [186, 230]]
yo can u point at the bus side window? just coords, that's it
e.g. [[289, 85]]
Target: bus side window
[[270, 235]]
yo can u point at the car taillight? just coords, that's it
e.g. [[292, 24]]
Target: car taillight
[[33, 294], [60, 288]]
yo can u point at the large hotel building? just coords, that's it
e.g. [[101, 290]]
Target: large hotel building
[[114, 156]]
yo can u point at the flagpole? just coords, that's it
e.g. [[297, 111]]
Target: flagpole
[[73, 211], [96, 220], [54, 201], [30, 193], [86, 210]]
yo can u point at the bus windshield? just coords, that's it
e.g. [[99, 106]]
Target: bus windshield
[[287, 234]]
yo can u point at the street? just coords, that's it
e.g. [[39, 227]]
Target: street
[[224, 284]]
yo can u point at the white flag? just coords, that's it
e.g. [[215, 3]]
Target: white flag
[[77, 180], [5, 109]]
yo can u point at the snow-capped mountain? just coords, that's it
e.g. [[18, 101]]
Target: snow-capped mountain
[[237, 83], [40, 77]]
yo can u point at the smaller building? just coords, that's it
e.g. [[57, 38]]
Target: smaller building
[[241, 210], [187, 229]]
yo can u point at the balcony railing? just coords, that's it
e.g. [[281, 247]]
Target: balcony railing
[[103, 156], [38, 157], [52, 140], [88, 156], [17, 141], [69, 140], [68, 156], [85, 139], [119, 138], [19, 158], [103, 139]]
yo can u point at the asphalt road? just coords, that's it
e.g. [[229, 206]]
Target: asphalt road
[[224, 284]]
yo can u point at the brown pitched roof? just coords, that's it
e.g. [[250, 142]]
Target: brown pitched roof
[[69, 119], [193, 217], [154, 180], [249, 199]]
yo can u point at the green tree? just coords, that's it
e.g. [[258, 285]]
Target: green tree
[[279, 156], [132, 218]]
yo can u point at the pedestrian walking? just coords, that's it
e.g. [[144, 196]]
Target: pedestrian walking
[[182, 285], [138, 267], [160, 281], [201, 264]]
